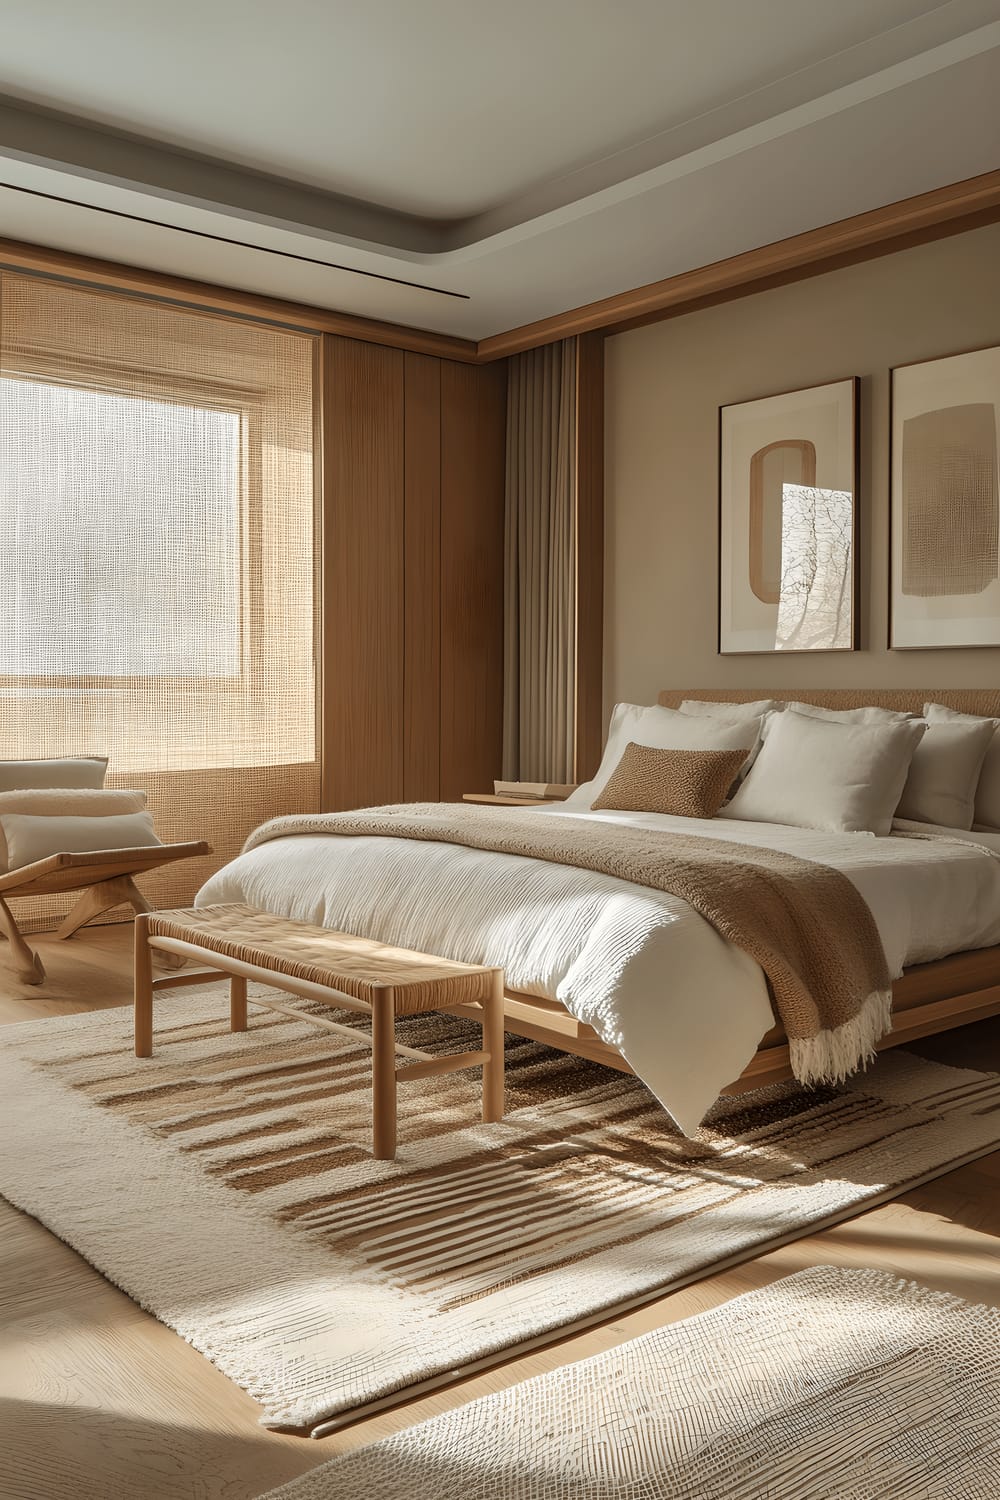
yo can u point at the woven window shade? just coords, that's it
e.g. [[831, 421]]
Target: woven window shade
[[158, 544]]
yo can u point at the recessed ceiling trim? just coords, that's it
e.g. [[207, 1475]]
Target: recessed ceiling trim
[[697, 158], [63, 143], [46, 139], [224, 239], [914, 50]]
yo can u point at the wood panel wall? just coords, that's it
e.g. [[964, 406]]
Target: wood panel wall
[[413, 494], [473, 443], [422, 579], [363, 517]]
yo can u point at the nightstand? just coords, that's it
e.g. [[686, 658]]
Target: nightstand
[[492, 800]]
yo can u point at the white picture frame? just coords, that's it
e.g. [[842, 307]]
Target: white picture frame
[[944, 502], [788, 527]]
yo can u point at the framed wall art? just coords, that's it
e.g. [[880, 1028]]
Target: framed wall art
[[944, 502], [788, 492]]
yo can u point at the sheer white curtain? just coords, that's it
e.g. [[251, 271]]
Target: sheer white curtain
[[540, 565]]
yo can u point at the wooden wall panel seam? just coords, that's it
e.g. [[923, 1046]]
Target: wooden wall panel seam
[[440, 574], [421, 578]]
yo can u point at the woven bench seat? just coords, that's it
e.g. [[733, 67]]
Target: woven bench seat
[[339, 969]]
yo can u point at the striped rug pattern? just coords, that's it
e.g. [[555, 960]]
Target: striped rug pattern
[[829, 1383], [228, 1186]]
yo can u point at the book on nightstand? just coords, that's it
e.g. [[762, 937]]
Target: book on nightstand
[[545, 791]]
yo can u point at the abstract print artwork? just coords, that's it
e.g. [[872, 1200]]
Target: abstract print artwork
[[787, 521], [945, 502]]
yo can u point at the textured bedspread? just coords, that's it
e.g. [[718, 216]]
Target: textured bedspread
[[655, 980], [803, 922]]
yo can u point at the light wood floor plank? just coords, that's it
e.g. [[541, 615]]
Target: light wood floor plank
[[99, 1401]]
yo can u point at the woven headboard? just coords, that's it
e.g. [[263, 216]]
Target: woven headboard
[[985, 701]]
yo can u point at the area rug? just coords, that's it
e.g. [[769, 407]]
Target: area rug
[[829, 1385], [226, 1184]]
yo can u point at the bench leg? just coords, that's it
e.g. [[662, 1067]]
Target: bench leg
[[139, 904], [384, 1074], [143, 995], [493, 1036], [237, 1003]]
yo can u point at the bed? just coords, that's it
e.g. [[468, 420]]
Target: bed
[[684, 1010]]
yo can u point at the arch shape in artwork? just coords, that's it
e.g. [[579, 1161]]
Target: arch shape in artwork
[[785, 461]]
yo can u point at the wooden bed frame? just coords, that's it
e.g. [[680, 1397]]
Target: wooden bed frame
[[927, 999]]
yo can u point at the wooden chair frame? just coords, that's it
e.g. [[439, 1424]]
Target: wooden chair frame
[[106, 878]]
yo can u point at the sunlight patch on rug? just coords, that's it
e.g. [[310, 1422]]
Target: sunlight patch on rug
[[828, 1383]]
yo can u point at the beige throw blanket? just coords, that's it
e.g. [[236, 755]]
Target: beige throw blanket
[[804, 923]]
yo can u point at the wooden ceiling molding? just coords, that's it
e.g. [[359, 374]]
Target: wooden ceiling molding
[[881, 231]]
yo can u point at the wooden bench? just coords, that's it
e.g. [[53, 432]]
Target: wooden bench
[[338, 969]]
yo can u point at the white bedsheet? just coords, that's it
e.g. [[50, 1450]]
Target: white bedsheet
[[685, 1008]]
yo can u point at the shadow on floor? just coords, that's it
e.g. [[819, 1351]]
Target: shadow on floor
[[52, 1451]]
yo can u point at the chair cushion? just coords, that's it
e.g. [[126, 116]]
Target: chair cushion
[[80, 771], [58, 802], [30, 838]]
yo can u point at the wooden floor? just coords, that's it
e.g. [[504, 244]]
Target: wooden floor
[[99, 1401]]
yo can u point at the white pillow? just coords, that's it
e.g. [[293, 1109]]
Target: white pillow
[[80, 802], [944, 773], [814, 773], [82, 770], [734, 712], [30, 838], [868, 715], [987, 811], [663, 729]]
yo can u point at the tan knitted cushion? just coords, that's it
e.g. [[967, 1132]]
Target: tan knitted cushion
[[685, 783]]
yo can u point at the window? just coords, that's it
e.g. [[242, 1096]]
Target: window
[[158, 548], [100, 494]]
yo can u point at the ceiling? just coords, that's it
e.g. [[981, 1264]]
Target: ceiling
[[465, 166]]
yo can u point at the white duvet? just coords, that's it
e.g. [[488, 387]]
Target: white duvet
[[685, 1008]]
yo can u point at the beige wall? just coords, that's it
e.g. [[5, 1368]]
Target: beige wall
[[664, 385]]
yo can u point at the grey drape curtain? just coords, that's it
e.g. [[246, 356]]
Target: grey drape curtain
[[540, 565]]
